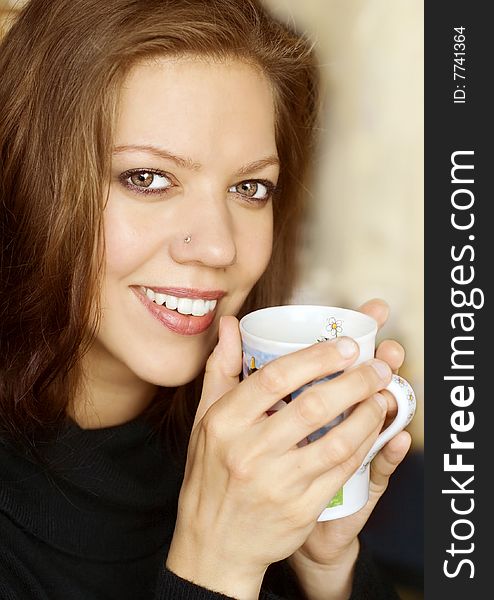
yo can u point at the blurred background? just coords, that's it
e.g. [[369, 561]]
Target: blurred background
[[364, 236]]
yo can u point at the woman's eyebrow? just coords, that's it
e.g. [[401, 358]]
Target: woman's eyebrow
[[257, 165], [188, 163], [185, 163]]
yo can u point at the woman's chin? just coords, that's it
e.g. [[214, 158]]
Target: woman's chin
[[167, 376]]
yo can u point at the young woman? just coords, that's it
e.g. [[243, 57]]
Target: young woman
[[153, 160]]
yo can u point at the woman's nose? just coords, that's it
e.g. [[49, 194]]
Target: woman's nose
[[206, 235]]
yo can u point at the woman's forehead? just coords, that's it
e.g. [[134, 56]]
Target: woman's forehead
[[197, 108]]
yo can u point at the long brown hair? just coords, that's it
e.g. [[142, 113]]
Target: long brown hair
[[61, 67]]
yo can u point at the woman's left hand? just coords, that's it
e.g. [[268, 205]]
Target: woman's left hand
[[324, 564]]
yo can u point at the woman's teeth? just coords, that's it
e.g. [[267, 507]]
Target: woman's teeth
[[186, 306]]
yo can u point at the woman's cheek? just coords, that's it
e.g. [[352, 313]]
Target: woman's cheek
[[125, 246], [257, 244]]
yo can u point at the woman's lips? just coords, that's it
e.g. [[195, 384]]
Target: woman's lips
[[173, 320]]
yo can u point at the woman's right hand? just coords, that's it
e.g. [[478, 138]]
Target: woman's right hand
[[250, 496]]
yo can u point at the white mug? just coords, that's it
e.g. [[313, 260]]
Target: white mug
[[272, 332]]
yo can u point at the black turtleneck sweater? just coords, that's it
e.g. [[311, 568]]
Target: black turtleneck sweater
[[95, 523]]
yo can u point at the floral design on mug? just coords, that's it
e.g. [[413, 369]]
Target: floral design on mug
[[333, 327], [410, 395]]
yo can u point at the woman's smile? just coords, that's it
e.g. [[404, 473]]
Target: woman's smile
[[183, 311]]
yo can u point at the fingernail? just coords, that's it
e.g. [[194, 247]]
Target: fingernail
[[346, 347], [381, 400], [381, 368]]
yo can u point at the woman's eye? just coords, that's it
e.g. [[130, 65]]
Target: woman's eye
[[143, 180], [255, 190]]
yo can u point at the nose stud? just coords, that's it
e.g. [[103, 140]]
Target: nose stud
[[187, 239]]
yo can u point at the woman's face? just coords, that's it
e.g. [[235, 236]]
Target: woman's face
[[188, 223]]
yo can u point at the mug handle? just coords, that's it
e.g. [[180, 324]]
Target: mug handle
[[407, 404]]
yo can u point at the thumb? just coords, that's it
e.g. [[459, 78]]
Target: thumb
[[378, 309], [223, 366]]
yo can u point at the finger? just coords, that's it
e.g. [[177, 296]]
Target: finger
[[279, 378], [391, 352], [223, 366], [320, 404], [392, 410], [382, 468], [328, 483], [347, 444], [386, 461], [378, 309]]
